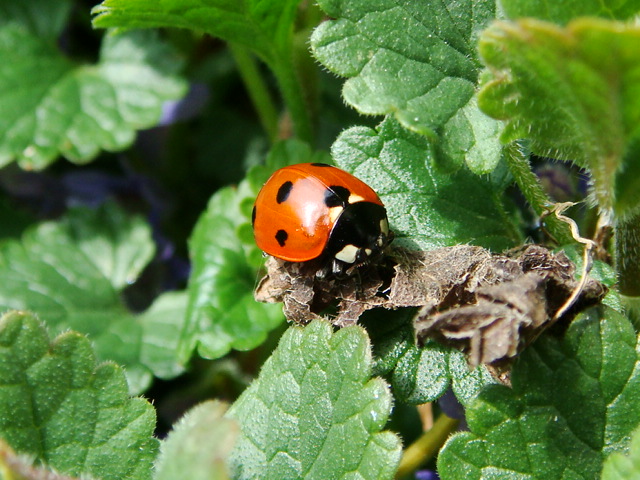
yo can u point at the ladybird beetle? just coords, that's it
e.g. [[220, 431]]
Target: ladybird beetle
[[316, 211]]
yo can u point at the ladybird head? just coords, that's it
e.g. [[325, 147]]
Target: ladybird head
[[360, 233]]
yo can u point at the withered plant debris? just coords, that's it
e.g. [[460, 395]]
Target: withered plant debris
[[489, 306]]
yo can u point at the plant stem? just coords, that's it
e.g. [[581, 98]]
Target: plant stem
[[534, 193], [426, 446], [294, 98], [257, 89], [627, 235]]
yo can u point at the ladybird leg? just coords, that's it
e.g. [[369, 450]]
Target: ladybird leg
[[323, 272], [337, 266]]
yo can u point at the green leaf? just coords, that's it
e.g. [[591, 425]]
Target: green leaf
[[419, 375], [42, 17], [564, 12], [55, 107], [427, 208], [161, 325], [198, 446], [71, 273], [624, 467], [470, 137], [124, 241], [572, 92], [222, 313], [627, 187], [265, 27], [415, 59], [418, 62], [573, 403], [59, 405], [315, 412]]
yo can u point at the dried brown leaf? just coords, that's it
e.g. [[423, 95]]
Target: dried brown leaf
[[306, 293], [506, 315], [488, 305]]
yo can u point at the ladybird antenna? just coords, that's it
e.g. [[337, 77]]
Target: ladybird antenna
[[260, 273]]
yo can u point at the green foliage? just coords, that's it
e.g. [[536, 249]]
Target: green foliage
[[72, 272], [401, 58], [58, 405], [43, 18], [182, 454], [418, 62], [53, 106], [454, 137], [420, 375], [265, 28], [572, 92], [315, 411], [563, 12], [624, 467], [573, 403], [221, 312]]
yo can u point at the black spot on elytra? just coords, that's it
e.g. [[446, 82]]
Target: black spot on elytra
[[336, 196], [284, 191], [317, 164], [253, 215], [281, 237]]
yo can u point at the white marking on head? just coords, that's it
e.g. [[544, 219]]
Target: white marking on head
[[348, 254], [384, 226], [355, 198], [334, 213], [368, 251]]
